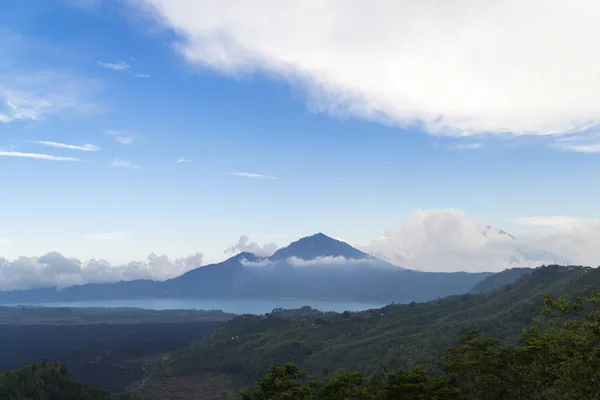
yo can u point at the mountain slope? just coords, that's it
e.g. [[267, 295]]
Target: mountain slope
[[398, 335], [499, 280], [315, 267]]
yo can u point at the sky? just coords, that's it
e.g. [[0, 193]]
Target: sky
[[188, 130]]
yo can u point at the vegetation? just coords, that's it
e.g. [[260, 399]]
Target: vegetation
[[401, 336], [499, 280], [20, 315], [47, 381], [110, 356], [555, 360]]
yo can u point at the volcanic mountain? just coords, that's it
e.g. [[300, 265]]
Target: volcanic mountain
[[314, 267]]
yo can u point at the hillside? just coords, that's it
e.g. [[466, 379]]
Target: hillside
[[499, 280], [556, 359], [397, 335], [47, 381]]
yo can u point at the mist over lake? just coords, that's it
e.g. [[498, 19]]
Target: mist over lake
[[237, 306]]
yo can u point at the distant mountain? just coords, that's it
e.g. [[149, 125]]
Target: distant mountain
[[314, 267], [318, 246]]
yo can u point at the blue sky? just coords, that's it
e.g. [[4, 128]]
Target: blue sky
[[312, 152]]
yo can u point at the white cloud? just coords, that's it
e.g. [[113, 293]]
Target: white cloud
[[323, 261], [38, 156], [122, 66], [446, 240], [122, 137], [85, 147], [262, 263], [53, 269], [464, 146], [181, 160], [551, 221], [36, 95], [118, 66], [252, 175], [460, 67], [107, 236], [119, 163], [244, 245], [589, 143], [114, 132]]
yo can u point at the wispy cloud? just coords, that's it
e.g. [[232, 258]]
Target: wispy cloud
[[252, 175], [550, 221], [125, 139], [120, 163], [122, 66], [181, 160], [39, 94], [121, 137], [464, 146], [107, 236], [118, 66], [589, 143], [38, 156], [581, 148], [85, 147]]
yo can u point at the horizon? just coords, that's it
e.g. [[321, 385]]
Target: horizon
[[143, 138]]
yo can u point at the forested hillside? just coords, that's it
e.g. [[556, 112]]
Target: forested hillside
[[555, 360], [399, 336], [48, 381], [499, 280]]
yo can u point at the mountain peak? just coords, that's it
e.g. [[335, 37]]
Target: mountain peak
[[316, 246]]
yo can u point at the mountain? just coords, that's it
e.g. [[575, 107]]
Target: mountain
[[396, 336], [318, 246], [314, 267]]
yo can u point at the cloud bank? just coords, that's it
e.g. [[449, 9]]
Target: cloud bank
[[245, 245], [54, 269], [447, 240], [455, 68]]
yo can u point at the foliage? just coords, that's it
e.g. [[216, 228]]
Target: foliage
[[111, 356], [401, 335], [555, 360], [499, 280], [47, 381]]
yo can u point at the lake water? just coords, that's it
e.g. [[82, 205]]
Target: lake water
[[239, 306]]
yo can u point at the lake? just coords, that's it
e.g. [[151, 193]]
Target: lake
[[237, 306]]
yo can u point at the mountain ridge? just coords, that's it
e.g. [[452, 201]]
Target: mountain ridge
[[314, 267]]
